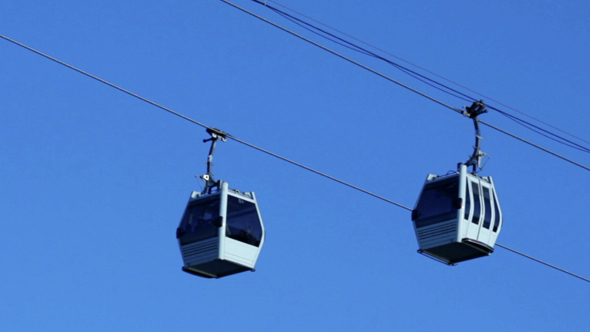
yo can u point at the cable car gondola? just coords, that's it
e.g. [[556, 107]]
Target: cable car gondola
[[457, 217], [221, 232]]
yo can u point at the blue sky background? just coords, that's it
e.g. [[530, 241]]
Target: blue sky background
[[94, 182]]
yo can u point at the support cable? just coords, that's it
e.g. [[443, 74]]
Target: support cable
[[542, 262], [543, 132], [426, 80], [347, 44], [201, 124], [392, 80], [266, 151], [344, 57], [102, 81], [536, 146], [424, 69], [318, 172]]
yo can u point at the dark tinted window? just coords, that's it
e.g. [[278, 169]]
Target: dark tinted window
[[476, 203], [243, 223], [436, 203], [487, 218], [497, 218], [200, 220]]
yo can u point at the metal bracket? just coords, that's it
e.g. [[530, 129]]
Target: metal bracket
[[472, 112], [216, 134]]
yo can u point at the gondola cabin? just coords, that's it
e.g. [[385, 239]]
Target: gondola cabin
[[457, 217], [221, 233]]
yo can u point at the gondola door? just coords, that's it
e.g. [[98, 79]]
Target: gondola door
[[487, 211], [481, 210], [473, 207]]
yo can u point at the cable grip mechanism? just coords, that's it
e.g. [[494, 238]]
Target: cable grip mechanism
[[216, 134], [473, 111]]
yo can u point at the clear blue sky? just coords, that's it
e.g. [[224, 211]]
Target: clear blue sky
[[94, 182]]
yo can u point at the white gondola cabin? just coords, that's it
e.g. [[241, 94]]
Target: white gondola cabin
[[220, 233], [457, 217]]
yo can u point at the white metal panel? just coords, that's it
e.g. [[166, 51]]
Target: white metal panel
[[462, 223], [224, 187], [240, 252]]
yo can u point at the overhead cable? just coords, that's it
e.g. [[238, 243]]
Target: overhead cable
[[347, 44], [423, 69], [391, 79], [102, 80], [344, 57], [542, 262], [422, 78], [536, 146], [199, 123], [251, 145], [542, 131]]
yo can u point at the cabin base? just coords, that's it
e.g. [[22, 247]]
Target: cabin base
[[215, 269], [457, 252]]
